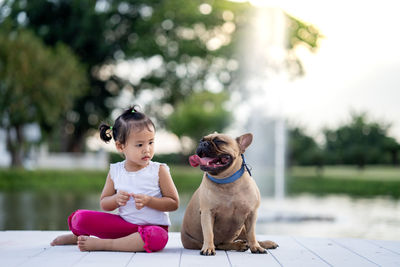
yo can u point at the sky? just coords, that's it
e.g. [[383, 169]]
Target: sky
[[356, 68]]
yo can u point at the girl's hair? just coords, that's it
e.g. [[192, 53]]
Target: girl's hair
[[131, 119]]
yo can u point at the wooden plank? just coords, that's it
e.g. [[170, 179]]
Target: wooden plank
[[333, 253], [254, 260], [192, 258], [18, 247], [57, 256], [31, 248], [174, 240], [169, 256], [40, 241], [14, 257], [370, 251], [27, 238], [291, 253], [105, 258], [393, 246]]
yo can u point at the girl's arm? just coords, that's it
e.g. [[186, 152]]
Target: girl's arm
[[109, 200], [169, 200]]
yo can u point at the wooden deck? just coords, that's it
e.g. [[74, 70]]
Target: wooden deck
[[31, 248]]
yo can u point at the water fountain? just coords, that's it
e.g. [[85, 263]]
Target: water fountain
[[263, 80], [263, 75]]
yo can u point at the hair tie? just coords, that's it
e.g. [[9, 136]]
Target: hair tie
[[110, 128], [133, 111]]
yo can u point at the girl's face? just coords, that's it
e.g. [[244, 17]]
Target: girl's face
[[138, 149]]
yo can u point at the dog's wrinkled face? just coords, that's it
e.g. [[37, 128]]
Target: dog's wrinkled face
[[216, 152]]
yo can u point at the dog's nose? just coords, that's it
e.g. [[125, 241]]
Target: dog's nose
[[203, 147]]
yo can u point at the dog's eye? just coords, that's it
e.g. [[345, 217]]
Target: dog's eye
[[219, 142]]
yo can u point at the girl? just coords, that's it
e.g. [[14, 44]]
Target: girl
[[142, 190]]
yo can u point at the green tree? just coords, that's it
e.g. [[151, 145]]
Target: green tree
[[361, 142], [200, 114], [302, 149], [194, 40], [103, 33], [300, 33], [37, 85]]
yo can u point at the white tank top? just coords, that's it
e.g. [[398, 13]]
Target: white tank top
[[145, 181]]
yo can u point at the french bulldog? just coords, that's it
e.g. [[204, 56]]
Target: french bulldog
[[222, 212]]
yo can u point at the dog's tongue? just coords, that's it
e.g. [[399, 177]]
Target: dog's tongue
[[196, 160]]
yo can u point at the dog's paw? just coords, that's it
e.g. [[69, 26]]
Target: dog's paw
[[268, 244], [208, 249], [258, 250], [207, 252], [241, 245]]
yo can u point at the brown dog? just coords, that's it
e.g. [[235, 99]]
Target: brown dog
[[223, 211]]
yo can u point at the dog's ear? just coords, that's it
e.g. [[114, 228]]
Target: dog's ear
[[244, 141]]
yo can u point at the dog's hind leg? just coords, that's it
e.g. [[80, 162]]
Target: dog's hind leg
[[238, 245], [268, 244], [189, 242]]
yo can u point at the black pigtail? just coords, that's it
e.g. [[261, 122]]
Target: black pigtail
[[105, 132], [135, 113]]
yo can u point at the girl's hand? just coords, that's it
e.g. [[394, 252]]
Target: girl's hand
[[141, 200], [121, 197]]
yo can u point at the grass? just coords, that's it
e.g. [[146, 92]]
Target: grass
[[57, 180], [376, 173], [368, 182], [186, 179], [371, 181]]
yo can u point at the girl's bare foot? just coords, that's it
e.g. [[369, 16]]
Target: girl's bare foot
[[68, 239], [86, 243]]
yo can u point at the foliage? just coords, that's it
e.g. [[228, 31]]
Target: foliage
[[357, 142], [37, 84], [78, 25], [102, 33], [302, 149], [300, 33], [200, 114], [190, 41], [360, 142]]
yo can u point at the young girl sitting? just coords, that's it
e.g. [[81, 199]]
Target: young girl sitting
[[142, 190]]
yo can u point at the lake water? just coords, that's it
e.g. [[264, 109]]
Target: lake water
[[304, 215]]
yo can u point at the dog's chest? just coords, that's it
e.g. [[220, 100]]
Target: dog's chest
[[237, 203], [230, 217], [234, 207]]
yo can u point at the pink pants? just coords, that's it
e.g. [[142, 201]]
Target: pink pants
[[112, 226]]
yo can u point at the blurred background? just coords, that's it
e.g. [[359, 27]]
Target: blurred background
[[316, 83]]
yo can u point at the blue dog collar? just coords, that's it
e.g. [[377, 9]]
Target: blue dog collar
[[233, 177]]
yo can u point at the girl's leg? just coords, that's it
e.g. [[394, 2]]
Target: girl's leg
[[100, 224], [115, 233], [155, 237], [68, 239], [131, 243], [149, 238]]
